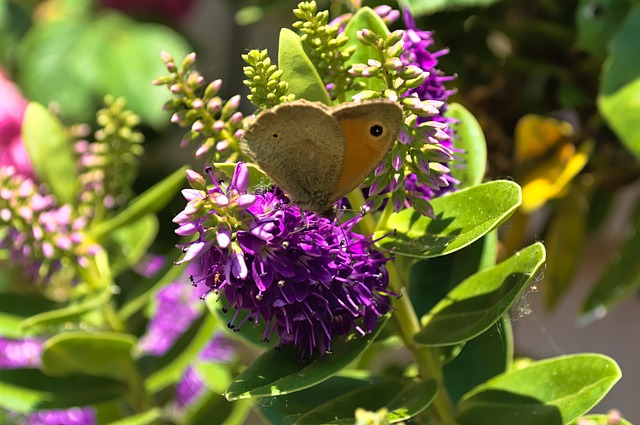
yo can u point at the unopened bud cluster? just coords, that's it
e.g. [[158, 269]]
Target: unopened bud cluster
[[420, 151], [264, 81], [108, 165], [215, 125], [326, 47], [44, 239]]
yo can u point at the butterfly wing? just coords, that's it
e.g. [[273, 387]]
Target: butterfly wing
[[370, 128], [301, 147]]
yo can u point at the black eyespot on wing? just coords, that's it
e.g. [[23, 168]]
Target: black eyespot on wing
[[376, 130]]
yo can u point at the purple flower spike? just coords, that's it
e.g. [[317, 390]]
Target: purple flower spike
[[310, 279]]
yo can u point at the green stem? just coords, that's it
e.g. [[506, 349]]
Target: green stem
[[427, 359]]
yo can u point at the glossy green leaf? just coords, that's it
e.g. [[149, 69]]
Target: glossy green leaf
[[287, 409], [131, 242], [365, 18], [14, 308], [471, 166], [620, 280], [429, 7], [403, 399], [50, 321], [209, 408], [26, 390], [620, 89], [600, 420], [430, 280], [597, 21], [181, 356], [50, 152], [564, 240], [106, 354], [278, 372], [480, 359], [461, 218], [297, 69], [481, 300], [152, 200], [548, 392], [151, 416]]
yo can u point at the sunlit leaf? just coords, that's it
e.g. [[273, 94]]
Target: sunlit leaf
[[481, 300], [278, 372], [461, 218], [298, 70], [620, 90], [549, 392], [51, 152]]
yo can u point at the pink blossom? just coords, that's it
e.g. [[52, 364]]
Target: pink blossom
[[12, 149]]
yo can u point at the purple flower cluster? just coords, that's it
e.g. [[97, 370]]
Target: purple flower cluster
[[307, 277], [177, 307], [417, 45], [25, 353], [38, 234]]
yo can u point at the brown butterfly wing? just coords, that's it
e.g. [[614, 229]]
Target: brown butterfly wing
[[301, 147], [370, 128]]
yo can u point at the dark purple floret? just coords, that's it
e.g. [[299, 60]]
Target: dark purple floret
[[308, 278]]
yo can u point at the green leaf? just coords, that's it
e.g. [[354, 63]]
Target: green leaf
[[564, 240], [278, 372], [85, 59], [297, 69], [492, 351], [27, 390], [152, 200], [461, 218], [369, 19], [429, 7], [65, 52], [597, 21], [471, 166], [151, 416], [131, 242], [482, 299], [50, 321], [208, 408], [430, 280], [106, 354], [620, 280], [50, 152], [620, 90], [287, 409], [548, 392], [14, 308], [130, 60], [403, 399]]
